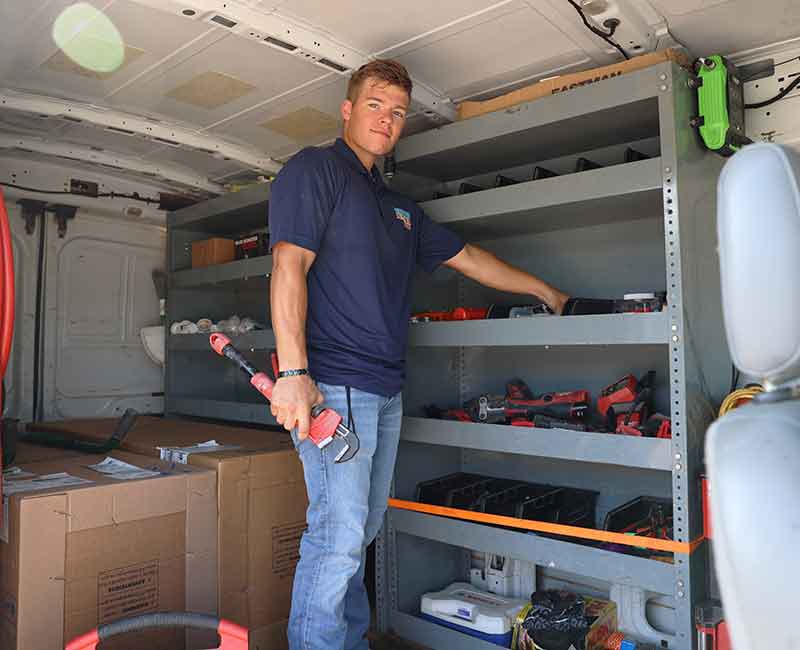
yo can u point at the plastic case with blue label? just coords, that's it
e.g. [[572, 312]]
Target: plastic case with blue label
[[474, 612]]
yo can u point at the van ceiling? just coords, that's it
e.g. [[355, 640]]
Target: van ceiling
[[231, 88]]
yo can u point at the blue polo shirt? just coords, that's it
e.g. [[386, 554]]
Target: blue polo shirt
[[368, 240]]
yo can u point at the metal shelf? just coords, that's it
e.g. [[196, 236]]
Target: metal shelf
[[243, 210], [429, 634], [255, 340], [256, 267], [610, 329], [612, 194], [625, 110], [252, 412], [618, 568], [590, 447]]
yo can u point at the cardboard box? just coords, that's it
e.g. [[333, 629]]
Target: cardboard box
[[604, 625], [261, 501], [216, 250], [567, 82], [76, 556], [270, 637]]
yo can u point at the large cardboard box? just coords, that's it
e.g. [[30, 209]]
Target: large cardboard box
[[76, 555], [567, 82], [262, 510]]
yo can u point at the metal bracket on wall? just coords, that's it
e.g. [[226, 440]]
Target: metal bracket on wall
[[30, 210], [63, 213]]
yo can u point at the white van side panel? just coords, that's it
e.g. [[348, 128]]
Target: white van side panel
[[100, 294]]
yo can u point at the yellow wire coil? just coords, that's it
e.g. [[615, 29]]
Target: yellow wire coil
[[739, 397]]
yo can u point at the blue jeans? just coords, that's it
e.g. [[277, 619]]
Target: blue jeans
[[347, 502]]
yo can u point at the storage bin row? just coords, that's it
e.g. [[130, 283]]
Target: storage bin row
[[558, 505]]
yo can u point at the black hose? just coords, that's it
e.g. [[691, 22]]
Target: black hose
[[164, 619]]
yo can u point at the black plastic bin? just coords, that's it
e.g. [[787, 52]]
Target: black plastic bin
[[439, 491]]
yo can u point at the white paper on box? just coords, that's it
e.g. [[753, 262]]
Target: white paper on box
[[44, 482], [121, 470]]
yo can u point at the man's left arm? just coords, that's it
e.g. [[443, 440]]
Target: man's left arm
[[487, 269]]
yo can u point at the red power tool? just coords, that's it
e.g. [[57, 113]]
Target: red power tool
[[520, 405], [326, 424], [627, 406], [459, 313]]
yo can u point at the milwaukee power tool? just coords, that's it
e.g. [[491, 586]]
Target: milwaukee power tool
[[519, 406]]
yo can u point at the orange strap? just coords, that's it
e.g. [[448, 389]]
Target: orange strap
[[556, 529]]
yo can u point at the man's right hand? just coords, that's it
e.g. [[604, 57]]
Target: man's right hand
[[292, 401]]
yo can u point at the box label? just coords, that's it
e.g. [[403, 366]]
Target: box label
[[127, 591], [286, 547], [180, 455]]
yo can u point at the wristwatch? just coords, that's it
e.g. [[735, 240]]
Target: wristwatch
[[292, 373]]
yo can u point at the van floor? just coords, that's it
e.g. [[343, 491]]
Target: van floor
[[390, 642]]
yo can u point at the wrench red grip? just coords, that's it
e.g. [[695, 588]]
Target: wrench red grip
[[263, 384], [323, 425], [218, 342]]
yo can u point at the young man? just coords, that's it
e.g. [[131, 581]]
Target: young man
[[344, 250]]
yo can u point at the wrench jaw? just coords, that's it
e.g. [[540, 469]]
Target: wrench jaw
[[350, 444]]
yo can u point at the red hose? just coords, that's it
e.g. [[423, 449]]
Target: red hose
[[6, 291]]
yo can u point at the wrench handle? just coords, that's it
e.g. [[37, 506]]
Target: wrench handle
[[263, 384], [323, 421]]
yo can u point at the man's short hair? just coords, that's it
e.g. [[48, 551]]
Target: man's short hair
[[386, 70]]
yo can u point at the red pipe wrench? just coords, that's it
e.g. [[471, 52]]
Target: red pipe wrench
[[326, 424]]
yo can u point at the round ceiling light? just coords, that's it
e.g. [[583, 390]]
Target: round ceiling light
[[88, 37]]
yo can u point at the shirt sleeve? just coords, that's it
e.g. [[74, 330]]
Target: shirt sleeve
[[437, 244], [301, 200]]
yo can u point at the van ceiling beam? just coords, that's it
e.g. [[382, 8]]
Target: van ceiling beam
[[110, 159], [291, 37], [122, 123]]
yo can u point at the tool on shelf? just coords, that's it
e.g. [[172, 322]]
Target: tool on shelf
[[624, 407], [630, 303], [251, 244], [459, 313], [627, 406], [560, 619], [519, 405], [473, 611], [326, 424]]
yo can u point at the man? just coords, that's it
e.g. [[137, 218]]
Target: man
[[344, 249]]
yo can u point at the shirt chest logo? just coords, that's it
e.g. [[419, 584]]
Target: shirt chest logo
[[404, 216]]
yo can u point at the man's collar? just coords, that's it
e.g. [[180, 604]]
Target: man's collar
[[341, 147]]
